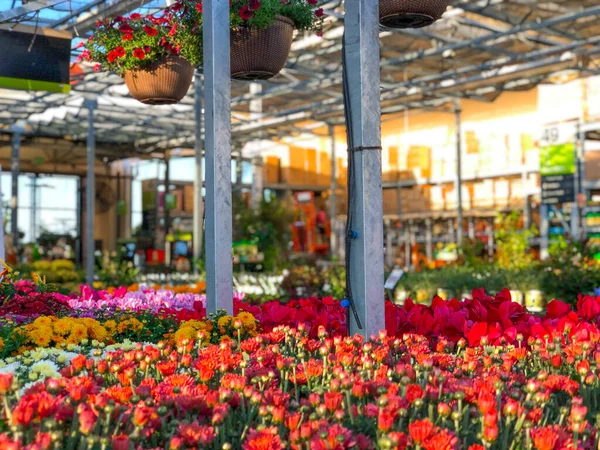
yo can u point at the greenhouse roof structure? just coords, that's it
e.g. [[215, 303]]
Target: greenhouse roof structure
[[478, 50]]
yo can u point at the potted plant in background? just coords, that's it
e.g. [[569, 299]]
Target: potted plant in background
[[154, 55], [262, 31]]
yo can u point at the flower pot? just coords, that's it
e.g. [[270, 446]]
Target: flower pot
[[410, 13], [517, 297], [261, 54], [164, 82], [534, 301]]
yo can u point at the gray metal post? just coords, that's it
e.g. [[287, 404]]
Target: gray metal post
[[471, 228], [544, 232], [167, 212], [333, 197], [199, 176], [407, 249], [217, 94], [366, 261], [458, 185], [14, 202], [490, 234], [428, 240], [90, 190], [575, 213], [526, 207], [257, 182]]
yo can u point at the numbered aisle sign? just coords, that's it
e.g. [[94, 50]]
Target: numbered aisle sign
[[557, 163]]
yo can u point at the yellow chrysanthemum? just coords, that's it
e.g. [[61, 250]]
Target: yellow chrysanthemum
[[110, 326], [184, 333], [62, 327], [247, 319], [2, 345], [42, 339], [226, 339], [98, 332], [224, 321], [78, 332], [43, 321]]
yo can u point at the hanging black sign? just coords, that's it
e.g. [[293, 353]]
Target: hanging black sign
[[557, 189]]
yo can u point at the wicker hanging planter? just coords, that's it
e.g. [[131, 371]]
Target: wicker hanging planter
[[410, 13], [261, 54], [164, 82]]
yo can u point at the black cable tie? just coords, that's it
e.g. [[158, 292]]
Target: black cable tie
[[363, 148]]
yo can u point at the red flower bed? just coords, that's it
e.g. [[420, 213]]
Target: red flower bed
[[494, 320], [312, 313], [285, 390]]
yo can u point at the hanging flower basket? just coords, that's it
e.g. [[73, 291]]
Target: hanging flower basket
[[260, 54], [410, 13], [164, 82]]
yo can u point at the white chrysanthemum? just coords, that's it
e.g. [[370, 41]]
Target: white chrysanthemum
[[10, 368], [46, 368]]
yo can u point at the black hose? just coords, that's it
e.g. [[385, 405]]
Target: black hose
[[350, 235]]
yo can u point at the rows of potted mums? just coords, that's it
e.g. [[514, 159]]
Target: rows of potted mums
[[476, 374], [156, 54]]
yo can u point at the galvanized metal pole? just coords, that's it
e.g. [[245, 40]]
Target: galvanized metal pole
[[544, 232], [90, 190], [429, 240], [333, 196], [14, 202], [458, 185], [199, 176], [575, 213], [490, 235], [526, 206], [366, 260], [166, 211], [217, 95]]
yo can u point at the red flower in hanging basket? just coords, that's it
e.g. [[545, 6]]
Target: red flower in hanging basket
[[254, 4], [135, 16], [199, 7], [139, 53], [127, 37], [319, 12], [125, 28], [150, 31], [120, 52], [245, 13]]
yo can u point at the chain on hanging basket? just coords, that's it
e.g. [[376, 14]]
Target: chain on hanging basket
[[411, 13]]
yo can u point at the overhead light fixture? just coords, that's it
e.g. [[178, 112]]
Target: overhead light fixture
[[563, 77]]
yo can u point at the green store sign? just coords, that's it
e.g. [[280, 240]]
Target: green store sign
[[558, 159]]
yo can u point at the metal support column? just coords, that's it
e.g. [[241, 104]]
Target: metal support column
[[199, 175], [575, 212], [429, 240], [90, 191], [490, 236], [257, 182], [407, 248], [526, 205], [217, 95], [15, 169], [363, 97], [544, 232], [333, 196], [167, 212], [458, 185], [471, 230]]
